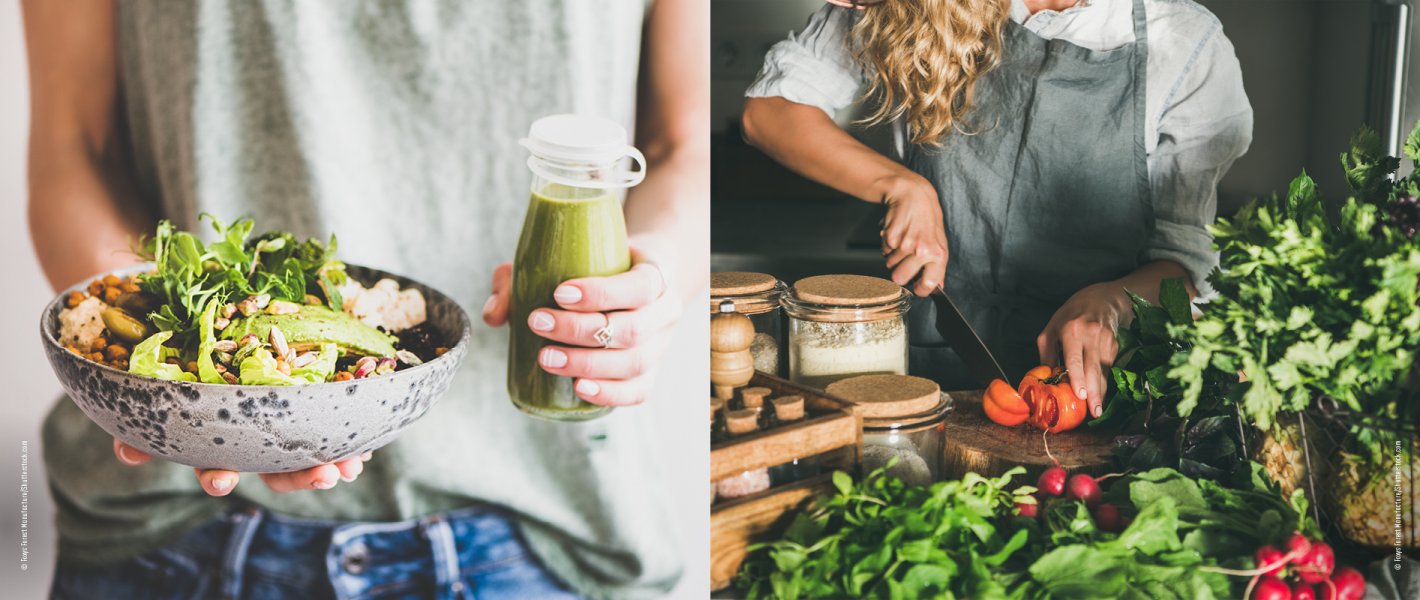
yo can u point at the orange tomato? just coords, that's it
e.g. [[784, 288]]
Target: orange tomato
[[1044, 399], [1004, 405]]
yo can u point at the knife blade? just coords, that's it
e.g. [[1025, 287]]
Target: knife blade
[[968, 345]]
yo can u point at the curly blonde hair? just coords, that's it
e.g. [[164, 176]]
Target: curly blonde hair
[[923, 58]]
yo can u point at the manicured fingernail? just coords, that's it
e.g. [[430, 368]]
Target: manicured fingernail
[[488, 306], [322, 484], [359, 468], [1084, 395], [221, 484], [587, 387], [566, 294], [929, 283], [542, 321], [554, 358], [125, 456], [367, 456]]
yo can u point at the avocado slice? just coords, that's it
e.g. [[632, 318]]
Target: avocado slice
[[313, 325]]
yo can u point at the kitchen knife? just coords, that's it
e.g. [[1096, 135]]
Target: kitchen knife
[[958, 332]]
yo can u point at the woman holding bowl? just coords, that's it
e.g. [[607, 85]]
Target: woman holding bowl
[[1051, 154], [396, 125]]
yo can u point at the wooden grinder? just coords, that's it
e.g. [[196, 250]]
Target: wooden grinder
[[731, 364]]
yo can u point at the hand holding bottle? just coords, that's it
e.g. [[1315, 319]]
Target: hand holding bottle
[[609, 332]]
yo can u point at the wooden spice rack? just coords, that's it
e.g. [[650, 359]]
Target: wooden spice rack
[[832, 433]]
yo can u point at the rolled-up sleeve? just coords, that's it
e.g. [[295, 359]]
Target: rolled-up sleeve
[[1206, 124], [815, 66]]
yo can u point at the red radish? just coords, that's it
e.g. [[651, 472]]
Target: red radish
[[1027, 509], [1348, 583], [1272, 589], [1298, 545], [1107, 518], [1083, 488], [1302, 591], [1052, 481], [1270, 556], [1315, 567]]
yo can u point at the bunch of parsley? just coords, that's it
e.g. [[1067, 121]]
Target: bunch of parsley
[[1309, 306], [189, 274], [881, 538]]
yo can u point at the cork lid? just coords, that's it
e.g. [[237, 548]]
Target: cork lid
[[753, 397], [737, 283], [888, 396], [742, 421], [846, 290], [788, 408]]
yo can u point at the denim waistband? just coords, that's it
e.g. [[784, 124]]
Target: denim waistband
[[361, 559]]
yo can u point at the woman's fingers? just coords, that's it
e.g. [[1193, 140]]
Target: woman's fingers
[[595, 363], [1093, 379], [321, 477], [614, 393], [636, 288], [350, 468], [129, 455], [217, 482], [1074, 350], [495, 310], [628, 328]]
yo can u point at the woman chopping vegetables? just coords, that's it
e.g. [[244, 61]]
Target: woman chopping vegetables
[[1058, 152]]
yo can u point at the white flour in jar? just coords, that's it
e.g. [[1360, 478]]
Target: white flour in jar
[[821, 353]]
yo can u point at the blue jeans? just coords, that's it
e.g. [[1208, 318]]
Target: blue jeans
[[254, 554]]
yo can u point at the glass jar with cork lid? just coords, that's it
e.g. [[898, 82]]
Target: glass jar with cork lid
[[755, 295], [903, 418], [842, 326]]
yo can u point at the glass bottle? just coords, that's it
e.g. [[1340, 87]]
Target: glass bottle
[[574, 228]]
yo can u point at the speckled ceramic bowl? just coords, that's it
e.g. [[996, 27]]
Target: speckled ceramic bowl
[[260, 429]]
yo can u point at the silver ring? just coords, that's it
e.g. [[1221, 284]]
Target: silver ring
[[606, 335]]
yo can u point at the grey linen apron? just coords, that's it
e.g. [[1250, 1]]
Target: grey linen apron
[[1044, 190]]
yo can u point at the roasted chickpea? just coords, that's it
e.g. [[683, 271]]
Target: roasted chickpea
[[96, 287], [116, 352], [111, 294], [344, 376], [74, 299]]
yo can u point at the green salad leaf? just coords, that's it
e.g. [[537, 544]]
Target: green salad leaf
[[149, 358], [259, 368]]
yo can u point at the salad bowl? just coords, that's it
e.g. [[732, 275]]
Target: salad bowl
[[260, 428]]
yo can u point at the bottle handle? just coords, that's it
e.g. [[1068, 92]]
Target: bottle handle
[[632, 178], [584, 174]]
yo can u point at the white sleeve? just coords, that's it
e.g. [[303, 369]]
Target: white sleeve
[[815, 66], [1206, 124]]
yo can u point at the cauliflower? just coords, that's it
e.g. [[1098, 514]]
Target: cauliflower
[[81, 325]]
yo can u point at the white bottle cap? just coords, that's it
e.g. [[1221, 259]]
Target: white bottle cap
[[582, 151]]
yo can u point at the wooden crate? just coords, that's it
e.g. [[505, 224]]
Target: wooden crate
[[832, 432]]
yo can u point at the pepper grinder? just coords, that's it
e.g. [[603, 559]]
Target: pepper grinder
[[731, 364]]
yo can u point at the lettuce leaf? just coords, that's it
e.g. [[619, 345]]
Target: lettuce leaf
[[148, 356], [206, 369], [260, 368]]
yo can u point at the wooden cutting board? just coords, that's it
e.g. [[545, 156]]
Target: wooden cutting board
[[973, 443]]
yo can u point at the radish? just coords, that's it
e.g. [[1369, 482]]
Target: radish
[[1270, 556], [1316, 565], [1027, 509], [1347, 583], [1272, 589], [1107, 518], [1302, 591], [1083, 488], [1052, 481], [1297, 546]]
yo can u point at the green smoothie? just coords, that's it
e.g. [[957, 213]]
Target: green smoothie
[[569, 232]]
